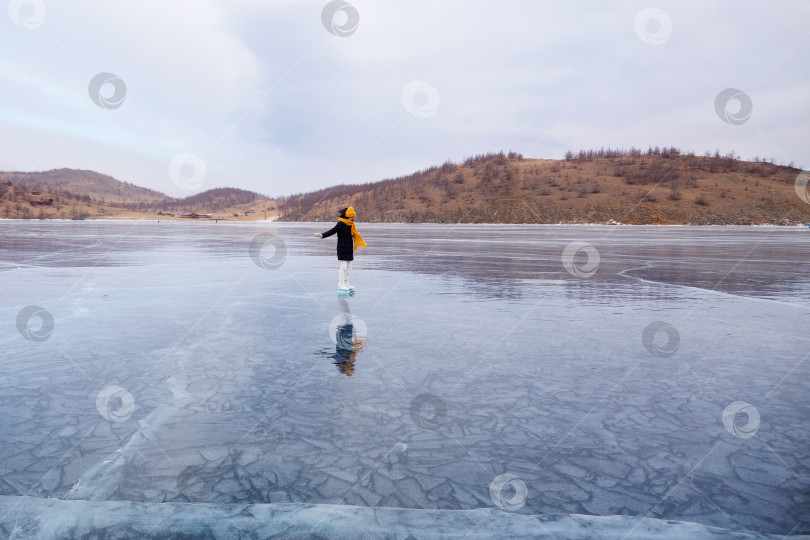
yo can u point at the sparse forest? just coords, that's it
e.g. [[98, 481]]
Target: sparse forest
[[657, 185], [79, 194]]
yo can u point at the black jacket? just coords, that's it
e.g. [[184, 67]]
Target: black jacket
[[345, 241]]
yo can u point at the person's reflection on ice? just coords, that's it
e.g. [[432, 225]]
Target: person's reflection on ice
[[347, 342]]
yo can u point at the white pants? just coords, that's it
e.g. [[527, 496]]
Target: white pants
[[343, 274]]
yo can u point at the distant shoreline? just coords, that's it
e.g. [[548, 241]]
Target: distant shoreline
[[266, 221]]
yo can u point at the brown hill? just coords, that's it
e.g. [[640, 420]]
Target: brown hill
[[69, 182], [656, 186], [75, 194]]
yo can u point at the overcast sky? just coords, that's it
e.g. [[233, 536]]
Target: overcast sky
[[285, 96]]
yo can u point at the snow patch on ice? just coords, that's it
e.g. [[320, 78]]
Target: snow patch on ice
[[29, 517]]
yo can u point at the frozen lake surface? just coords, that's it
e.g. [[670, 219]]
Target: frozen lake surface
[[511, 380]]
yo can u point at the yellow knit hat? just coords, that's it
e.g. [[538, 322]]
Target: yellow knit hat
[[350, 212]]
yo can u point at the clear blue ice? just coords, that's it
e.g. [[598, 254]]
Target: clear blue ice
[[214, 364]]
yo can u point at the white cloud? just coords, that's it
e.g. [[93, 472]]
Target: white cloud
[[273, 102]]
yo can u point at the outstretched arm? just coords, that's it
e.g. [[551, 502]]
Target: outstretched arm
[[330, 232]]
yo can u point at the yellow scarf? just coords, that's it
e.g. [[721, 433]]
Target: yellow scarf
[[358, 240]]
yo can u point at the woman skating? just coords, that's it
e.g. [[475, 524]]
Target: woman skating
[[348, 241]]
